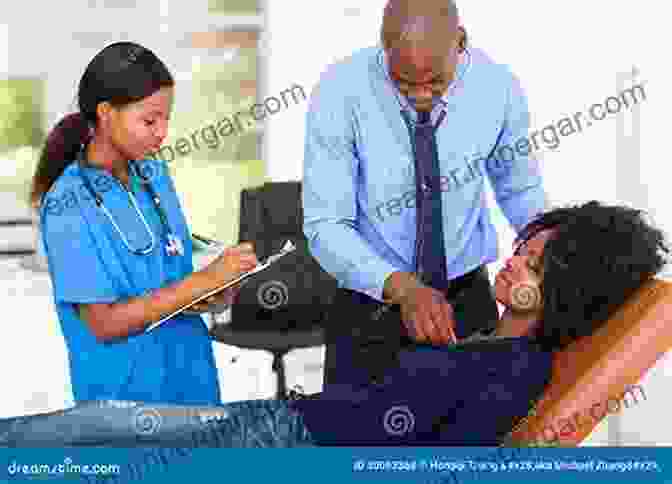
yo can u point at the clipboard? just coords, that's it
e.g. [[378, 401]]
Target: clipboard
[[288, 248]]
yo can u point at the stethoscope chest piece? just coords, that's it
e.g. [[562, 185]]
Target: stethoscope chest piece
[[174, 246]]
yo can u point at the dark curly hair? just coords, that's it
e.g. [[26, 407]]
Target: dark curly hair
[[596, 258]]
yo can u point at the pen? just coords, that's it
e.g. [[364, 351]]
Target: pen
[[205, 240], [385, 307], [452, 334]]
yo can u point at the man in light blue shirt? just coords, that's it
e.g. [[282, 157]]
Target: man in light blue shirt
[[359, 187]]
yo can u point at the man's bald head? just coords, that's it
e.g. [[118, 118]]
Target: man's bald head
[[422, 39], [419, 22]]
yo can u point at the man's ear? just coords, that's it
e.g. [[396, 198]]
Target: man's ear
[[464, 39]]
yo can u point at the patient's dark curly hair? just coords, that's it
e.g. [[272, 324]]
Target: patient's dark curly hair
[[596, 258]]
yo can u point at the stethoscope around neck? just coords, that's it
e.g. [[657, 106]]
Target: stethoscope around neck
[[173, 245]]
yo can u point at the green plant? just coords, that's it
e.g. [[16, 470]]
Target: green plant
[[245, 7], [21, 108]]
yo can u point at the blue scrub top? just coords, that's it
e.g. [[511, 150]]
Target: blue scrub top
[[89, 263]]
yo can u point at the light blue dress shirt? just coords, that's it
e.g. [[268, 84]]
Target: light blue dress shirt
[[89, 263], [359, 177]]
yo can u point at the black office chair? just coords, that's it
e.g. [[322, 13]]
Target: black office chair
[[284, 307]]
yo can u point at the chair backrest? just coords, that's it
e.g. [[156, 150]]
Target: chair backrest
[[596, 374], [295, 292], [271, 213]]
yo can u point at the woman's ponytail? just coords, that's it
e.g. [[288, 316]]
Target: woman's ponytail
[[120, 74], [60, 149]]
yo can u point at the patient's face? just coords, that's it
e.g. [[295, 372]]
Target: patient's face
[[524, 267]]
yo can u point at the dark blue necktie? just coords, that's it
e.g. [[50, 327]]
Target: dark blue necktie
[[430, 247]]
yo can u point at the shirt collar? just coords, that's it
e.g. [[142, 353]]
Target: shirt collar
[[463, 68], [97, 170]]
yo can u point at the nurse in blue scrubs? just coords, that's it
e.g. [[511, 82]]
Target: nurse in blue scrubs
[[117, 242]]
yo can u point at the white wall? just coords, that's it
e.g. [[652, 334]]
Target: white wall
[[4, 48], [301, 41], [72, 41]]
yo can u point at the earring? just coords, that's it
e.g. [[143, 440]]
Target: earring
[[525, 297]]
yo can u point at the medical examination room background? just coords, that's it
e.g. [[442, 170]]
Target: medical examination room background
[[226, 55]]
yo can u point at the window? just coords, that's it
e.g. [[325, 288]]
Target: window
[[21, 133], [216, 141]]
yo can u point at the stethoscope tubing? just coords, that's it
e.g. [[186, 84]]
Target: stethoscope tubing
[[152, 245], [99, 202]]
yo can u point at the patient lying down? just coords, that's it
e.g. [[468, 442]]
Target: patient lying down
[[571, 269]]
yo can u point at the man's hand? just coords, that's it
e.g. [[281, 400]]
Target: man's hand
[[428, 317], [426, 314]]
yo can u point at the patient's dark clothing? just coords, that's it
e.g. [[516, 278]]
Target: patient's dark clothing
[[465, 395], [361, 344]]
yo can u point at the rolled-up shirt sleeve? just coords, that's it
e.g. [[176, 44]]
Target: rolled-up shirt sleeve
[[513, 169], [78, 272], [330, 185]]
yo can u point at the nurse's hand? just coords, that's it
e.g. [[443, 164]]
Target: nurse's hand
[[231, 263]]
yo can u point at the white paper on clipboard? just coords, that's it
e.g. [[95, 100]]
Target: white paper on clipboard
[[288, 248]]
